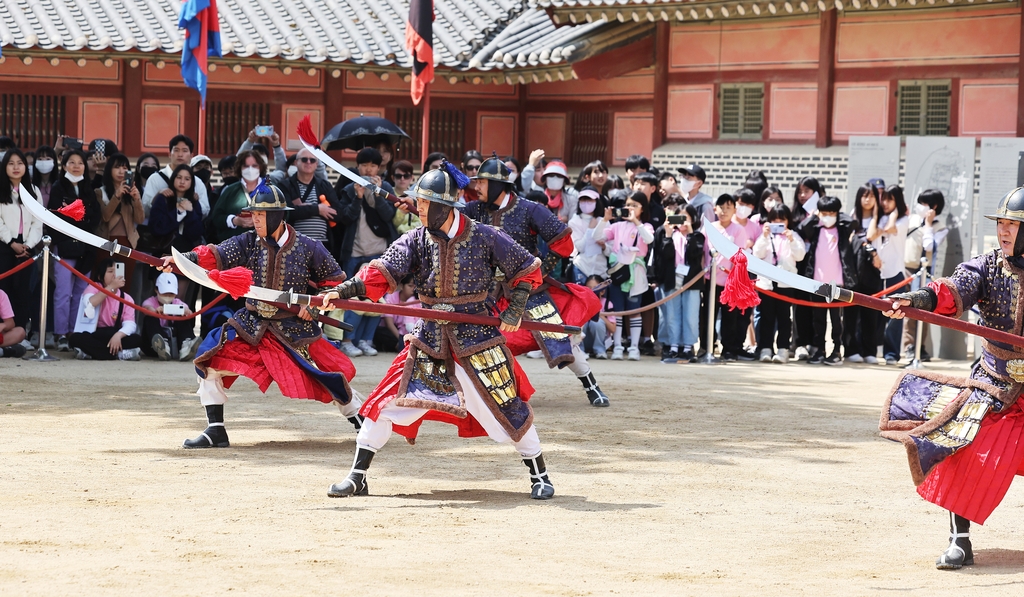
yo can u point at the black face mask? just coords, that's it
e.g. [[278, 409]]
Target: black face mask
[[230, 180], [203, 175], [274, 221], [147, 171], [437, 215], [494, 191]]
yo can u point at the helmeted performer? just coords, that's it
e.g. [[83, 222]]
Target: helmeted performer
[[260, 341], [965, 437], [524, 221], [458, 373]]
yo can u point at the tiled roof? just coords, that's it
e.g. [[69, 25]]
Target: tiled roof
[[479, 35]]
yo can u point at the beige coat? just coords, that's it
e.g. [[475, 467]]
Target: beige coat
[[132, 214]]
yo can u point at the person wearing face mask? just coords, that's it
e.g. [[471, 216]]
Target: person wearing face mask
[[66, 190], [690, 187], [827, 234], [771, 197], [202, 167], [181, 149], [159, 333], [561, 197], [588, 226], [231, 217], [120, 209], [746, 215], [146, 166], [925, 233], [805, 196], [45, 171], [893, 225], [260, 341], [963, 459]]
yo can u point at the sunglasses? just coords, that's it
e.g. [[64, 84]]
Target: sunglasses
[[307, 160], [472, 168], [402, 176]]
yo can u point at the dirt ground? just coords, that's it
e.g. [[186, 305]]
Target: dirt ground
[[699, 480]]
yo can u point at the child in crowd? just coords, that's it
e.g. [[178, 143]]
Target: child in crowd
[[780, 246], [734, 321], [678, 259], [158, 333], [598, 331], [860, 324], [10, 334], [390, 335], [105, 329], [588, 227], [628, 239], [828, 236], [747, 216]]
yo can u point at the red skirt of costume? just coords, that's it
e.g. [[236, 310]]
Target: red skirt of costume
[[576, 307], [387, 391], [974, 480], [270, 361]]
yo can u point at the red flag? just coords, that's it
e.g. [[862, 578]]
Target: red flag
[[419, 42]]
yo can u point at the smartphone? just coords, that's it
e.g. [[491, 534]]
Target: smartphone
[[777, 228], [72, 143], [620, 212], [100, 146], [174, 310], [264, 130], [676, 219], [119, 269], [128, 178]]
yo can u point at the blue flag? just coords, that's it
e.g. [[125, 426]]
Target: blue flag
[[202, 39]]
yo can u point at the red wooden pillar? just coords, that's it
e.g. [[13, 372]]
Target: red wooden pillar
[[1020, 79], [826, 77], [334, 104], [662, 34], [131, 121]]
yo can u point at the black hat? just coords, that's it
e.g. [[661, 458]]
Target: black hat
[[438, 186], [267, 197], [1011, 206], [694, 170], [493, 169]]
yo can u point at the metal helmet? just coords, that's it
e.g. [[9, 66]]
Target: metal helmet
[[1011, 206], [436, 186], [493, 169], [267, 197]]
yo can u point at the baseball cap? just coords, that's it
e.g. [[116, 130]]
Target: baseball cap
[[694, 170], [877, 183], [200, 158], [166, 283], [556, 167]]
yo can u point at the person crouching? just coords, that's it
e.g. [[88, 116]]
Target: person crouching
[[158, 334]]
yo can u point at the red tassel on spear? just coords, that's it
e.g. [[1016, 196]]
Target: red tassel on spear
[[235, 281], [739, 291], [75, 210]]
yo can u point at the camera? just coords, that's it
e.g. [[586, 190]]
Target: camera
[[620, 212], [264, 130], [675, 219], [777, 228], [177, 310]]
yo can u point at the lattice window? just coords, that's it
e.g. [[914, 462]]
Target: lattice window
[[447, 133], [923, 107], [589, 134], [741, 111], [229, 123], [31, 120]]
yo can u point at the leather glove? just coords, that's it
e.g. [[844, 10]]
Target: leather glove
[[351, 288], [513, 313], [923, 299]]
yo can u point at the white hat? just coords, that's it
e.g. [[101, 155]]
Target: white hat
[[166, 283], [200, 158]]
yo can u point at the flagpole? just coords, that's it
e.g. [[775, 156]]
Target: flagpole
[[425, 124], [201, 144]]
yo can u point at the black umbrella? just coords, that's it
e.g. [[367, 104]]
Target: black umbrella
[[363, 131]]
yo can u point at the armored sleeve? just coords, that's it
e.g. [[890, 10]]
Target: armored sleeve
[[968, 283]]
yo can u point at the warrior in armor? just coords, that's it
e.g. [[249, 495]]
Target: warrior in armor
[[458, 373], [965, 437], [260, 341], [571, 304]]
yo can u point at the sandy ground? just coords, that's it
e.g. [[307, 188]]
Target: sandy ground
[[699, 480]]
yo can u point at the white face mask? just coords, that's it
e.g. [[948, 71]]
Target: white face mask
[[686, 186], [920, 209], [588, 207], [44, 166], [250, 173], [512, 176], [292, 170], [554, 183], [73, 178], [769, 205], [743, 211], [828, 221]]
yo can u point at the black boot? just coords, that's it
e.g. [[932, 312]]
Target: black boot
[[542, 488], [959, 553], [357, 421], [355, 483], [215, 435], [594, 393]]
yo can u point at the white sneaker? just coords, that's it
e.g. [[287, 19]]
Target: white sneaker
[[32, 341], [188, 349], [535, 354], [367, 348], [62, 344], [781, 357], [617, 353], [855, 358], [801, 353], [81, 356], [634, 353], [49, 340], [871, 360], [159, 345], [28, 345], [129, 354], [766, 355], [600, 354], [350, 350]]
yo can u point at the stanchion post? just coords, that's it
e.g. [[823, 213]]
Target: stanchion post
[[41, 354], [916, 363], [709, 355]]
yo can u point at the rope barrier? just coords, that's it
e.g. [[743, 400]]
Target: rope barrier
[[658, 302], [20, 266], [137, 307], [799, 302]]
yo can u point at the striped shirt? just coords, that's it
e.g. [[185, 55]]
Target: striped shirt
[[314, 227]]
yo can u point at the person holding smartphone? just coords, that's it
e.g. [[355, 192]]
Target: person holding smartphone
[[120, 207], [105, 329], [158, 333], [177, 214], [679, 258], [628, 239], [782, 247]]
